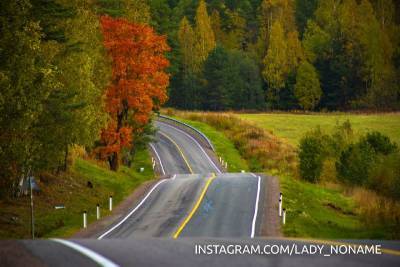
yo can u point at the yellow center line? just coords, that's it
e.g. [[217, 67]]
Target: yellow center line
[[338, 243], [180, 151], [196, 206]]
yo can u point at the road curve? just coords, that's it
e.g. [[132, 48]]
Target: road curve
[[188, 204]]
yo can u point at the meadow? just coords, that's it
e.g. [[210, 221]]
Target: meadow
[[292, 127]]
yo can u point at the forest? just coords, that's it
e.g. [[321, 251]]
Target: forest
[[91, 72], [282, 54]]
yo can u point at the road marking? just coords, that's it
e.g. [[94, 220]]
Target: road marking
[[253, 225], [179, 149], [99, 259], [197, 143], [338, 243], [158, 157], [134, 210], [196, 206]]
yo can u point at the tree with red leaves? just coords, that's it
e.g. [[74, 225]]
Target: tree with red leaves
[[138, 85]]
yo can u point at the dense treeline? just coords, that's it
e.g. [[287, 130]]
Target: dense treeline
[[57, 79], [310, 54]]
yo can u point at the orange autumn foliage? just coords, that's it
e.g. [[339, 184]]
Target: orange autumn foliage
[[139, 82]]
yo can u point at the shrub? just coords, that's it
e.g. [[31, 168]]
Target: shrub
[[311, 157], [380, 143], [354, 163], [384, 176]]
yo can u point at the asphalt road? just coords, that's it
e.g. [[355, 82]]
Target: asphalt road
[[178, 213], [226, 209], [182, 252]]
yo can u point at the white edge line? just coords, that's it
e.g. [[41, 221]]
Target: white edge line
[[101, 260], [158, 157], [253, 225], [197, 143], [133, 211], [253, 174]]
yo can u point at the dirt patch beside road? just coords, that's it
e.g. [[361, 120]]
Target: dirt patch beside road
[[270, 222]]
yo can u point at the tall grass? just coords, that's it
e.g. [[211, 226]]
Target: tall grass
[[377, 210]]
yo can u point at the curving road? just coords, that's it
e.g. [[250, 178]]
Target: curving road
[[197, 201]]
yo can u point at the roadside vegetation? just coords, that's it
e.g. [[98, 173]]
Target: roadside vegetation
[[325, 208], [85, 185]]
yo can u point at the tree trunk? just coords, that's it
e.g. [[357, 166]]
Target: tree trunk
[[114, 161], [66, 159]]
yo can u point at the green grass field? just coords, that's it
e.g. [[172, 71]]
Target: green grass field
[[71, 190], [293, 126]]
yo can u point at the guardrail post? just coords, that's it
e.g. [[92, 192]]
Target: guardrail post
[[110, 204], [98, 211], [84, 219], [280, 204], [226, 165], [284, 216]]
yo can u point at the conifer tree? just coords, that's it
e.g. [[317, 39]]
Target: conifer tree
[[186, 39], [205, 39]]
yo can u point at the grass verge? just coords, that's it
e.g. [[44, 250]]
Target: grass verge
[[71, 190]]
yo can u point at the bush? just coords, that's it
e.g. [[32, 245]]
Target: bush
[[384, 176], [354, 163], [311, 157], [380, 143]]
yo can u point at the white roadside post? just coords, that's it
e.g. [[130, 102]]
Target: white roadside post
[[284, 216], [280, 204], [226, 165], [84, 219], [98, 211], [110, 203], [220, 160]]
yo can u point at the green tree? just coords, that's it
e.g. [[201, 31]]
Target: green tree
[[307, 88], [304, 11], [233, 81], [26, 80]]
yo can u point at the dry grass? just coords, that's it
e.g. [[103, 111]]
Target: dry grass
[[376, 209], [262, 149]]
